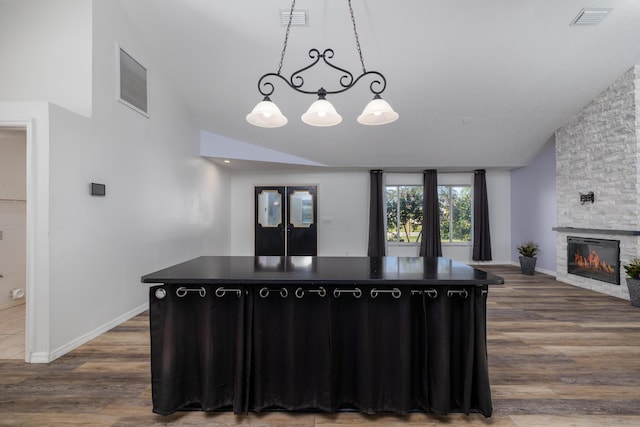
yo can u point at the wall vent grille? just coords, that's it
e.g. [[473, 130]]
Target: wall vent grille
[[299, 18], [590, 16], [132, 83]]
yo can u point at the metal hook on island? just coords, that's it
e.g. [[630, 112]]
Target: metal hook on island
[[395, 292], [320, 291], [161, 293], [460, 292], [182, 291], [220, 292], [355, 292], [431, 293], [264, 292]]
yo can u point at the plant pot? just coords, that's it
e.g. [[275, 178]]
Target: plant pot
[[528, 265], [634, 291]]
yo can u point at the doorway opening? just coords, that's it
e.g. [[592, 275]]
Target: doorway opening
[[13, 241]]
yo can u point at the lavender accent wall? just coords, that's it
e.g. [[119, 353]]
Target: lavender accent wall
[[533, 207]]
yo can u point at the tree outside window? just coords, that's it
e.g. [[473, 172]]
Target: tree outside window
[[404, 213], [455, 213]]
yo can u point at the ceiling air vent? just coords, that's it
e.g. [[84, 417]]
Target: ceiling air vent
[[590, 16], [298, 18]]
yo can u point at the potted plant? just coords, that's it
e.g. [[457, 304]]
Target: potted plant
[[528, 251], [633, 281]]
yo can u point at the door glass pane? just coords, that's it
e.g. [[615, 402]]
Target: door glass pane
[[269, 208], [301, 209]]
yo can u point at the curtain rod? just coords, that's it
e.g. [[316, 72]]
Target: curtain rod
[[444, 171]]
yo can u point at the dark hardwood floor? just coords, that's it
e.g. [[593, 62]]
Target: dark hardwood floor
[[559, 356]]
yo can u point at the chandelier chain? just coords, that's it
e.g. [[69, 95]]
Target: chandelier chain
[[355, 33], [286, 36]]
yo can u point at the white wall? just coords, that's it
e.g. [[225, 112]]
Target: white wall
[[164, 202], [13, 215], [343, 210], [45, 47]]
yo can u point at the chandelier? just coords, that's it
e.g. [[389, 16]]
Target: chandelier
[[321, 113]]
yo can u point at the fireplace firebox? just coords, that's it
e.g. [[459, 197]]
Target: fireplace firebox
[[597, 259]]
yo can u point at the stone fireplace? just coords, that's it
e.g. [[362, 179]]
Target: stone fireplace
[[597, 156]]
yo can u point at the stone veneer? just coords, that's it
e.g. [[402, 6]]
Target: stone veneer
[[597, 150]]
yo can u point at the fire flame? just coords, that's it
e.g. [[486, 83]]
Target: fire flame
[[593, 263]]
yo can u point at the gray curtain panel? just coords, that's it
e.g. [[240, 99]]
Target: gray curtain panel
[[430, 245], [481, 235], [376, 216]]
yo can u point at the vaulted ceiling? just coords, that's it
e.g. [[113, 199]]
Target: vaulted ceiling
[[476, 83]]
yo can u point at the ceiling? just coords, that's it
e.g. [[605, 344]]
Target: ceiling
[[477, 84]]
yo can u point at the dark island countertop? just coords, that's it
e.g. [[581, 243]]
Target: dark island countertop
[[310, 270]]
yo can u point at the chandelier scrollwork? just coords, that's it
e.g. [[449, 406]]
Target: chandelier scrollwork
[[346, 81]]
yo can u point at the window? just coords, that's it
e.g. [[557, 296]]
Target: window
[[455, 213], [404, 213]]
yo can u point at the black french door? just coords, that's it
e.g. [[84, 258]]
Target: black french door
[[286, 220]]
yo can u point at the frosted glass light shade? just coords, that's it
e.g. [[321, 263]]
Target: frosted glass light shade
[[266, 114], [321, 113], [377, 112]]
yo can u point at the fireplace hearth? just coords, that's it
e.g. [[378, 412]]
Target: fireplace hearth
[[597, 259]]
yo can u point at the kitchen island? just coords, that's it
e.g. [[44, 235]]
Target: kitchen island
[[377, 335]]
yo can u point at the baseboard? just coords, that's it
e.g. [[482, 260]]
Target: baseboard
[[66, 348], [545, 271], [39, 357], [492, 262]]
